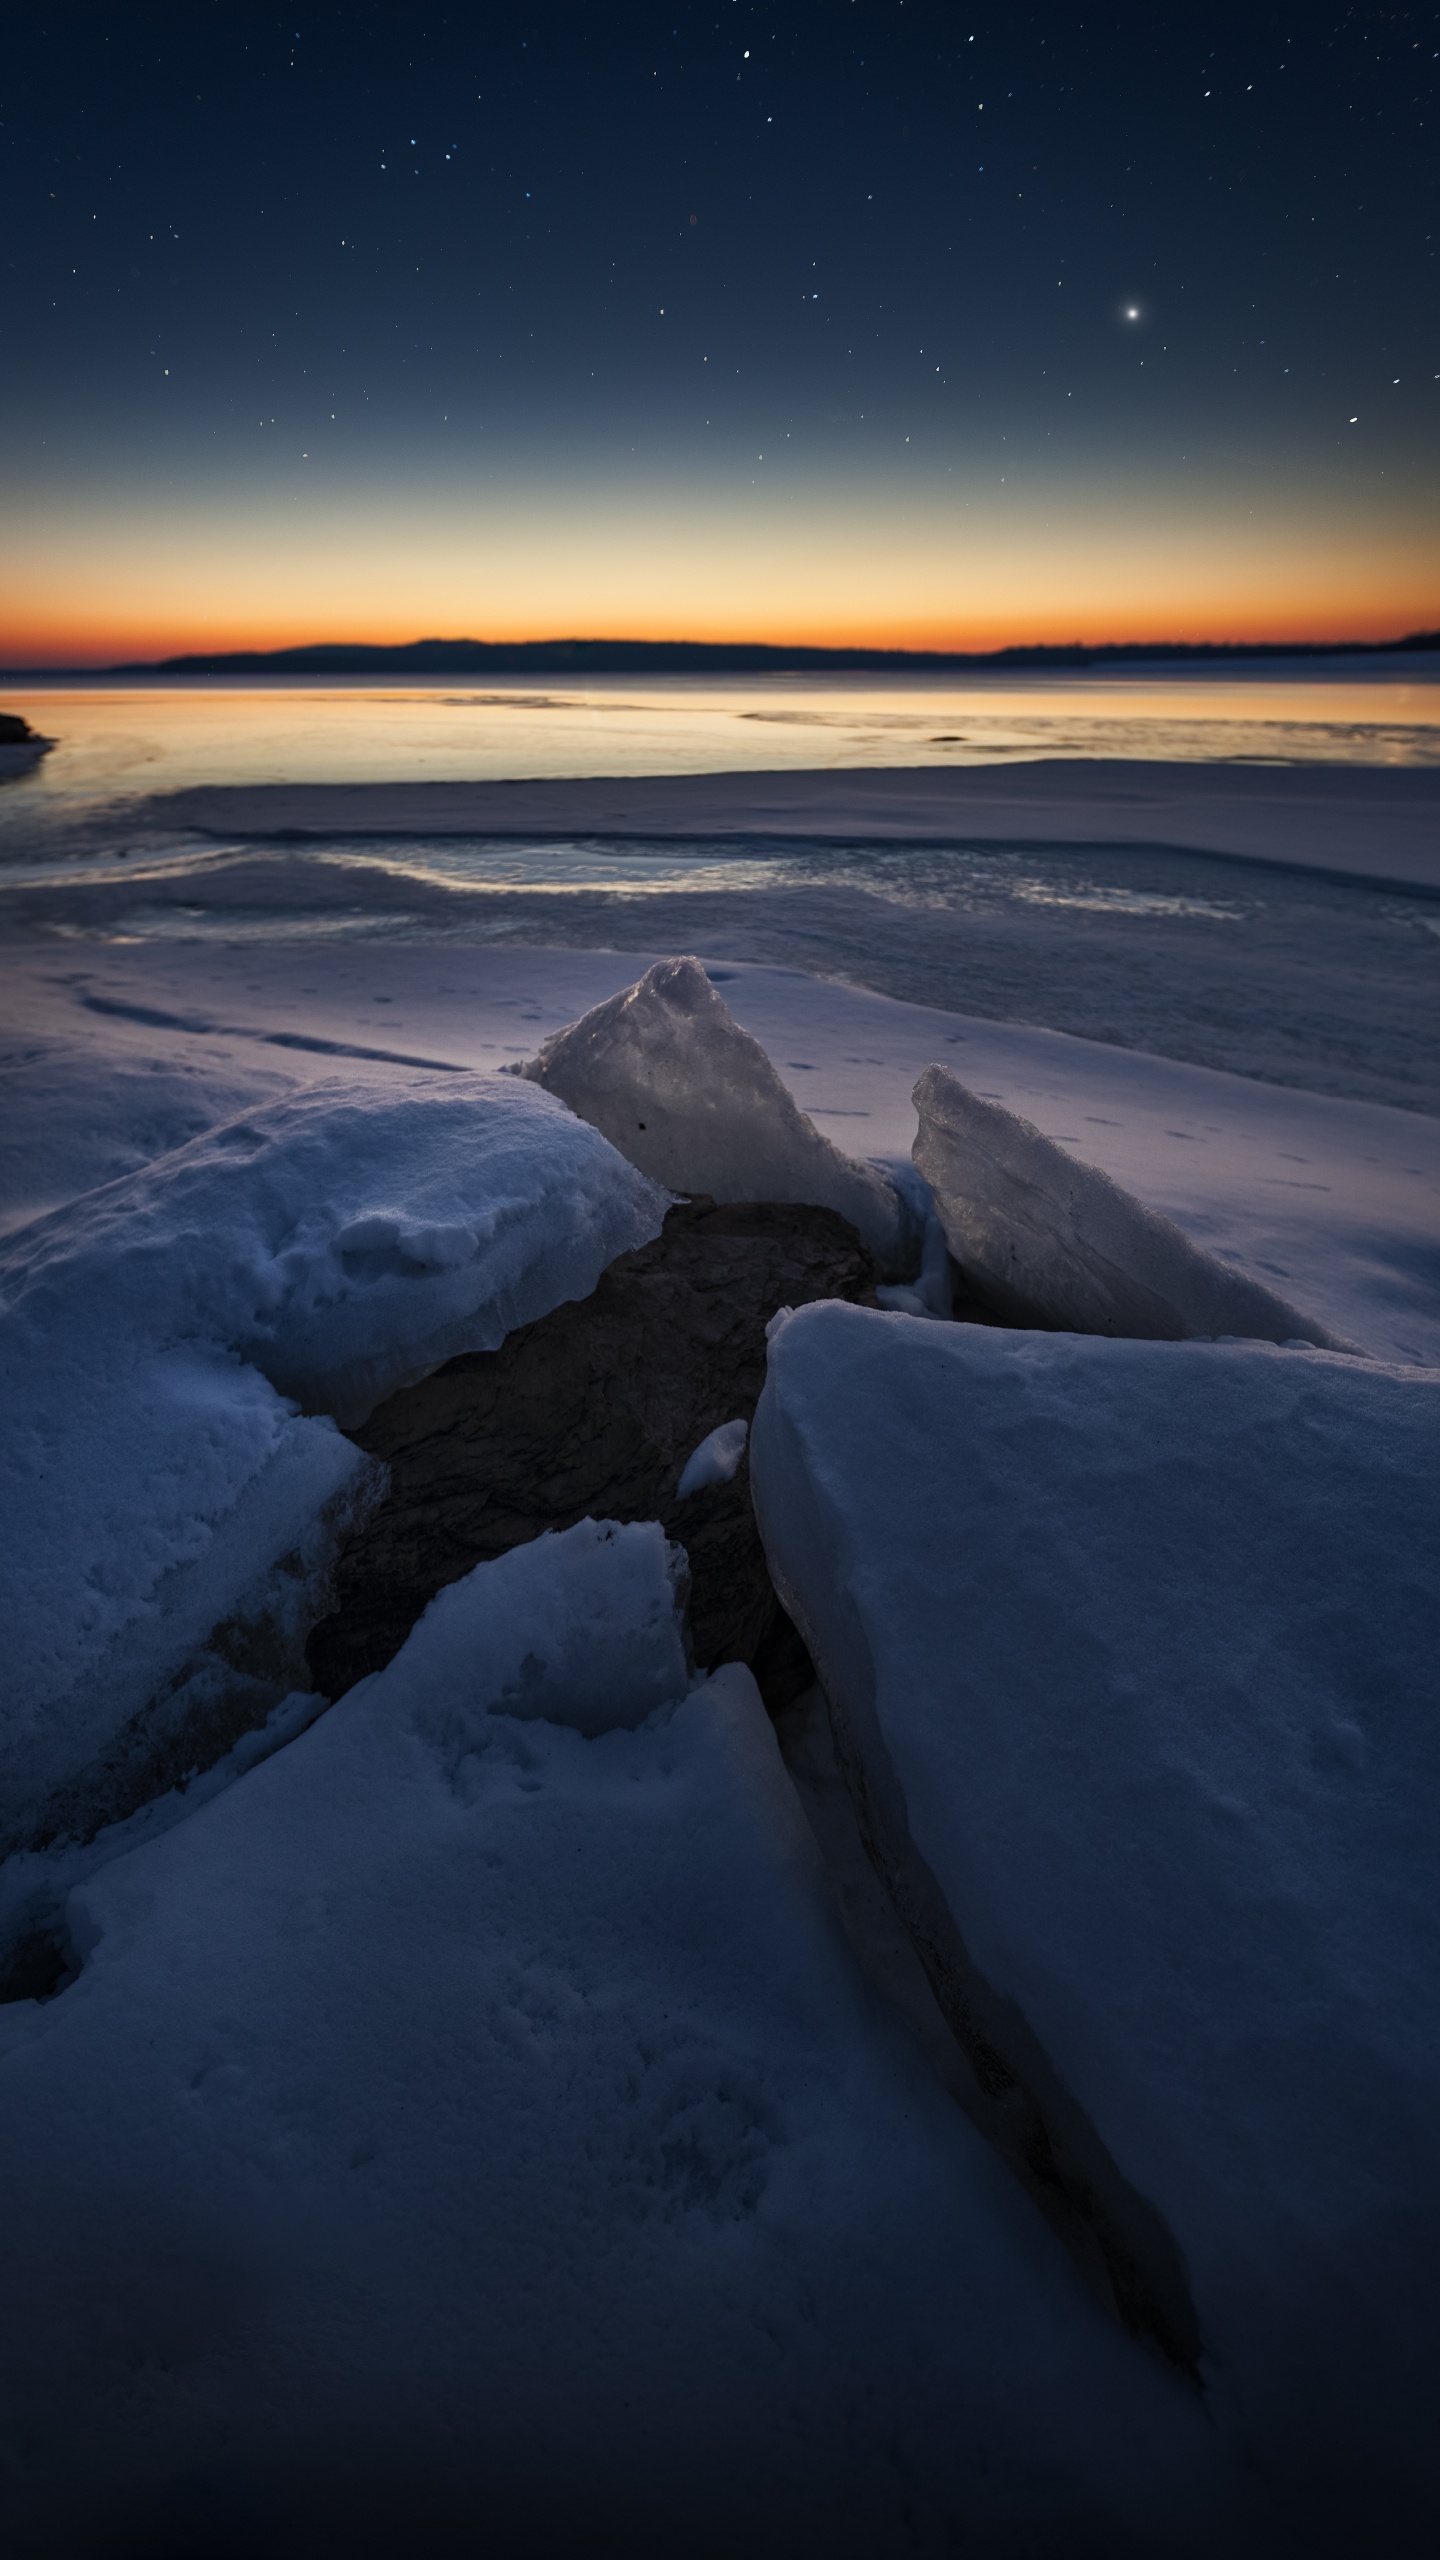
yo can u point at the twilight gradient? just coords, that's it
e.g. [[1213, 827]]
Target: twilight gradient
[[841, 320]]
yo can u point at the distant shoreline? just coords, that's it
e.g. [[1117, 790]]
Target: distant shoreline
[[427, 658]]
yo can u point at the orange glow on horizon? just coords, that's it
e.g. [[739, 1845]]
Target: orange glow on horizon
[[43, 640], [142, 581]]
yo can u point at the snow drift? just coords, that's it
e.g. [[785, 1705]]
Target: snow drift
[[1057, 1243], [158, 1335], [666, 1072], [463, 2128], [1130, 1652]]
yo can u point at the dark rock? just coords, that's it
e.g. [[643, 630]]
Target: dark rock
[[593, 1411], [21, 747]]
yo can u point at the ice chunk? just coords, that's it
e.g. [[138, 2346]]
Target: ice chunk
[[264, 1234], [1131, 1654], [512, 2129], [147, 1495], [931, 1293], [715, 1460], [158, 1335], [581, 1629], [667, 1073], [1056, 1243]]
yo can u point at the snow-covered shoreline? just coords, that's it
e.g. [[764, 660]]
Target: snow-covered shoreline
[[499, 2023]]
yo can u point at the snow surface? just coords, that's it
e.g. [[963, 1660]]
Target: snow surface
[[1133, 1647], [1369, 822], [73, 1119], [1058, 1244], [1333, 1204], [467, 2122], [602, 1600], [349, 1240], [673, 1081], [158, 1333], [463, 2127], [467, 2095], [715, 1460]]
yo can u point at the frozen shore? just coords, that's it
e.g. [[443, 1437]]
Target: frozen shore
[[519, 2017], [121, 1051], [1370, 823]]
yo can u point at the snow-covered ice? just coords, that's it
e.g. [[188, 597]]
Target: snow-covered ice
[[1373, 822], [1131, 1650], [73, 1119], [1059, 1244], [1333, 1204], [348, 1239], [159, 1332], [716, 1459], [465, 2094], [581, 1629], [461, 2127], [673, 1081]]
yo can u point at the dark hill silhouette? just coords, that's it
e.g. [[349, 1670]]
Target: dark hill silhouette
[[718, 657]]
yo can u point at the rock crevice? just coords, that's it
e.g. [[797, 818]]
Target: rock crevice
[[594, 1411]]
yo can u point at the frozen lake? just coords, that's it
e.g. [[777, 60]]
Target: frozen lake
[[519, 2003], [205, 813], [118, 740]]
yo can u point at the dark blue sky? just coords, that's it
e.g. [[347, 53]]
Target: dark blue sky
[[708, 249]]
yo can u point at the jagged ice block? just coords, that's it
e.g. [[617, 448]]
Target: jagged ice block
[[1058, 1244], [667, 1074]]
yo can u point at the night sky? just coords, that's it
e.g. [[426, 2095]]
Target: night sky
[[840, 320]]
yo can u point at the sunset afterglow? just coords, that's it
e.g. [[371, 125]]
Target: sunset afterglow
[[945, 341]]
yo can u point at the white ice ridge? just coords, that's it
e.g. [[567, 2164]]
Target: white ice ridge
[[1130, 1649], [666, 1072], [1058, 1244], [158, 1334], [460, 2108], [715, 1460]]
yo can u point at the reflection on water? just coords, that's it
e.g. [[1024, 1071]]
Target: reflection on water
[[117, 743]]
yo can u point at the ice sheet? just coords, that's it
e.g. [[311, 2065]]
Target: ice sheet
[[1132, 1652], [1334, 1204], [1369, 822], [408, 2076], [461, 2126]]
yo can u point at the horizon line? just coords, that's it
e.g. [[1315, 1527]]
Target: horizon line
[[620, 657]]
